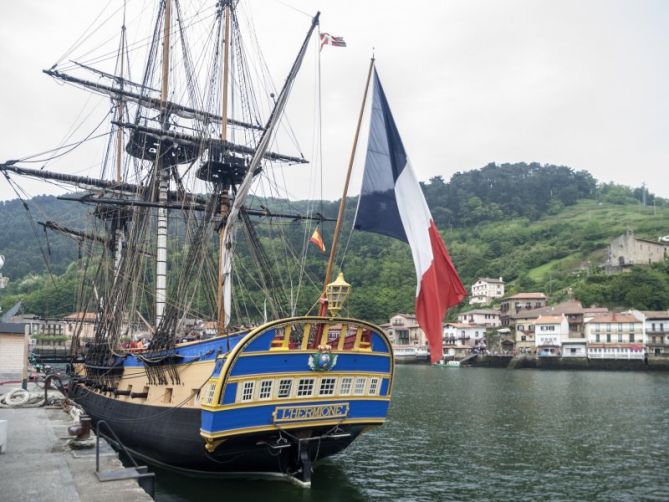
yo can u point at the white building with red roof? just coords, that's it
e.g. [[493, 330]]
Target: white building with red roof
[[615, 335], [485, 290], [549, 331]]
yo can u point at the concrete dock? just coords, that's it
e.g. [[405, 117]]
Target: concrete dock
[[39, 465]]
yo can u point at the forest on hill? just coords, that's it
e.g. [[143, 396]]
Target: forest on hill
[[541, 227]]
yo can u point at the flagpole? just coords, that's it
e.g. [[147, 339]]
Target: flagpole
[[342, 203]]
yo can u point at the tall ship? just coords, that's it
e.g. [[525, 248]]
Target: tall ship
[[179, 230]]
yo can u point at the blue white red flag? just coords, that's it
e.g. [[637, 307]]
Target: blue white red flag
[[392, 203]]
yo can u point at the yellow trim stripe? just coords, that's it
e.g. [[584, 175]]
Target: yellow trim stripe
[[325, 399], [305, 374], [271, 428]]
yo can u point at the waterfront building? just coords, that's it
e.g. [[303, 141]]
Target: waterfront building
[[408, 339], [470, 335], [522, 323], [82, 323], [521, 301], [12, 347], [485, 290], [461, 339], [523, 328], [656, 328], [405, 331], [574, 347], [549, 332], [615, 335], [483, 317]]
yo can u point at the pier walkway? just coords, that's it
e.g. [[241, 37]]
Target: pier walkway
[[38, 464]]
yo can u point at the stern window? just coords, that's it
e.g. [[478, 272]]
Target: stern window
[[265, 389], [247, 391], [346, 384], [284, 388], [327, 386], [305, 387], [374, 386], [359, 386]]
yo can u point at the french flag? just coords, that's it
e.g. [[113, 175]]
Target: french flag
[[392, 203]]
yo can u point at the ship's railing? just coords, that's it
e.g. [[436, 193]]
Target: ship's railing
[[310, 335]]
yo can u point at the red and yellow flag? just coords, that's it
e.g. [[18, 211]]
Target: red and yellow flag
[[317, 240]]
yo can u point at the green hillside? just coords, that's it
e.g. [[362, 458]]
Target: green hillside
[[542, 228]]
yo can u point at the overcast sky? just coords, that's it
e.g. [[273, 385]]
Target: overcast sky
[[571, 82]]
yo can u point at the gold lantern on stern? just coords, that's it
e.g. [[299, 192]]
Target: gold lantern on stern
[[337, 292]]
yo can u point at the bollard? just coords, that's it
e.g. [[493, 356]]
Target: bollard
[[3, 436]]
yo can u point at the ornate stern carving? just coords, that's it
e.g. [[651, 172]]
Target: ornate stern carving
[[211, 444]]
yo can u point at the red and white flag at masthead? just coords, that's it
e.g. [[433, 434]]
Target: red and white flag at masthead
[[392, 203], [327, 39]]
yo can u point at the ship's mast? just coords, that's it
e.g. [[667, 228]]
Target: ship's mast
[[225, 202], [119, 152], [163, 175]]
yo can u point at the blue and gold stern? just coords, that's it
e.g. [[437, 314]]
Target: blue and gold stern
[[296, 376]]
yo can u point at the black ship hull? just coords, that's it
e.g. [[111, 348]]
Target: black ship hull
[[169, 437]]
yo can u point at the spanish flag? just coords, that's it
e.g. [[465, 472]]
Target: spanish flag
[[317, 240]]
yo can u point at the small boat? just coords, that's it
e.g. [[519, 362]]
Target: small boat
[[409, 354]]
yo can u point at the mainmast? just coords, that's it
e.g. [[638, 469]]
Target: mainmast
[[224, 284], [119, 235], [162, 172]]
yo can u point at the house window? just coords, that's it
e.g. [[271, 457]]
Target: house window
[[265, 389], [662, 327], [327, 386], [620, 338], [597, 340], [284, 388], [631, 337], [305, 387], [523, 338], [346, 384], [247, 391], [359, 388], [374, 386], [572, 351], [608, 338]]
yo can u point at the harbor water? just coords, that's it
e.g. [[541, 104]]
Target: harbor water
[[489, 434]]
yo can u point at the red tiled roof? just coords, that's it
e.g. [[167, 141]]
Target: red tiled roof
[[612, 317], [532, 296], [549, 319], [656, 314], [480, 311]]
